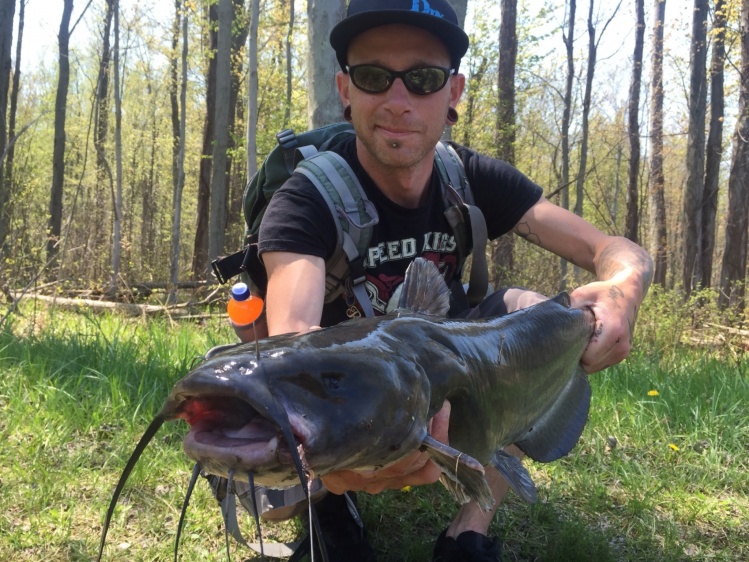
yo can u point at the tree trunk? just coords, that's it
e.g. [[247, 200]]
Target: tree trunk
[[503, 248], [508, 53], [289, 66], [179, 186], [658, 234], [695, 165], [474, 85], [117, 209], [200, 252], [632, 224], [714, 151], [147, 229], [590, 73], [568, 39], [8, 125], [97, 214], [235, 170], [252, 89], [323, 103], [174, 92], [102, 95], [217, 224], [58, 151], [733, 271]]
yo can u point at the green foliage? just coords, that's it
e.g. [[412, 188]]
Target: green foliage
[[667, 323]]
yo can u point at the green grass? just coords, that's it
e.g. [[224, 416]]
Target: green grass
[[656, 476]]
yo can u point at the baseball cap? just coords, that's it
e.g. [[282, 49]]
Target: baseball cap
[[435, 16]]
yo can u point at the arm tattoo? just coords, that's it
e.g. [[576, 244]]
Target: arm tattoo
[[523, 229]]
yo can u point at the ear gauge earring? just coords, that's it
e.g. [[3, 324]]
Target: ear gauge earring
[[347, 113], [452, 116]]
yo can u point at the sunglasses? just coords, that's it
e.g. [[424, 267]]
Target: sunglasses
[[421, 81]]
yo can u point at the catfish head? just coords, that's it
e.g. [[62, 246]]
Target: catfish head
[[345, 396]]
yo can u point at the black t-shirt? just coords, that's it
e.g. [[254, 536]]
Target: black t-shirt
[[298, 220]]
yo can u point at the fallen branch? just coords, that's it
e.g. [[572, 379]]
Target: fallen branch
[[129, 309], [734, 331]]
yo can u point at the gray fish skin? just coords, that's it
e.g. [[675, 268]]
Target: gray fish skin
[[359, 395]]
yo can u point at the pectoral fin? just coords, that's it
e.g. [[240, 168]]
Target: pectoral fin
[[462, 475], [516, 475]]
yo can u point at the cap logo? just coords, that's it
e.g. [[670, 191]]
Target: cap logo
[[424, 8]]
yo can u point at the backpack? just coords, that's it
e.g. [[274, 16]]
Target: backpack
[[354, 214]]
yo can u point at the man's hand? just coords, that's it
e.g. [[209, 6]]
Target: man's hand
[[615, 316], [413, 470]]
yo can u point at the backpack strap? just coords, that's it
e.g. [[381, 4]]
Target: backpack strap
[[464, 218], [354, 215]]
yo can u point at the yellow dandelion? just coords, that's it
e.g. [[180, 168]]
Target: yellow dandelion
[[673, 447], [406, 489], [653, 393]]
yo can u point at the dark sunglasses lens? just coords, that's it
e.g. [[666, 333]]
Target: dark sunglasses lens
[[372, 79], [426, 80]]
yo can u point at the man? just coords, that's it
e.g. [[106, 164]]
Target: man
[[399, 85]]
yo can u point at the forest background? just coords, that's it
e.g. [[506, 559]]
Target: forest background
[[127, 139]]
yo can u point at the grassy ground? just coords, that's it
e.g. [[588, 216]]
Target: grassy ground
[[660, 473]]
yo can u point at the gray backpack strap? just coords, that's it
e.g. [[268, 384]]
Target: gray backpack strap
[[450, 166], [461, 213], [354, 216]]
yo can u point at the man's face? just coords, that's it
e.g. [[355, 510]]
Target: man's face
[[397, 128]]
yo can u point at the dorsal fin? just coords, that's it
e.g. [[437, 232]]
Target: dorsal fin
[[424, 290]]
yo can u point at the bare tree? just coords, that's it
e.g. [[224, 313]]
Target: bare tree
[[174, 91], [14, 97], [503, 248], [117, 195], [99, 234], [58, 151], [219, 191], [632, 224], [289, 65], [7, 124], [508, 54], [695, 165], [180, 184], [656, 182], [323, 104], [252, 89], [236, 169], [200, 251], [714, 150], [102, 94], [733, 270], [568, 39]]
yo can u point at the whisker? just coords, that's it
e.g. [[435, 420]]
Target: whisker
[[255, 512], [139, 448], [190, 487], [227, 503]]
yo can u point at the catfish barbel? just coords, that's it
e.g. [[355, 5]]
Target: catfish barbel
[[359, 395]]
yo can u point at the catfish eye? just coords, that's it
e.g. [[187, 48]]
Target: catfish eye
[[332, 381]]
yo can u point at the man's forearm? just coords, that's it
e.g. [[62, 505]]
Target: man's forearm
[[628, 264]]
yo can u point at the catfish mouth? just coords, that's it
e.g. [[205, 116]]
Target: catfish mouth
[[228, 434]]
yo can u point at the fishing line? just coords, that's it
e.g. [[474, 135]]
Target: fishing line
[[190, 487], [257, 343]]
